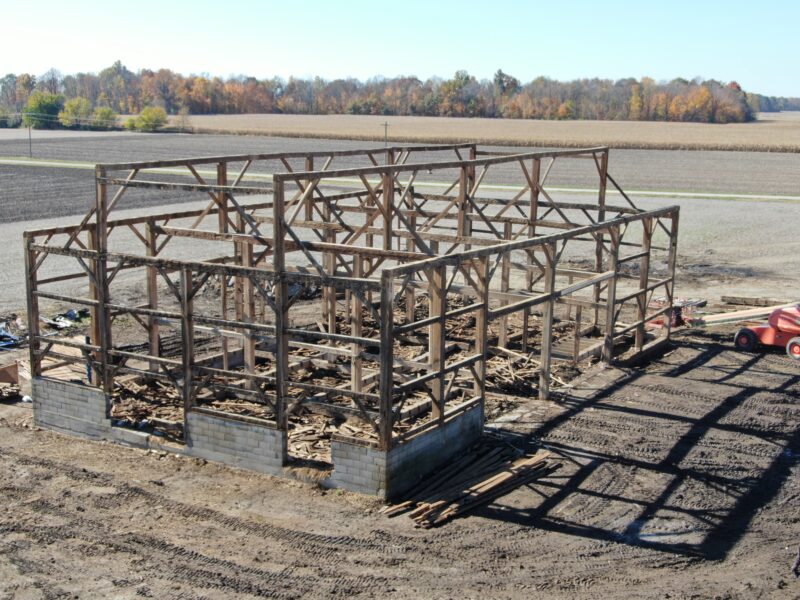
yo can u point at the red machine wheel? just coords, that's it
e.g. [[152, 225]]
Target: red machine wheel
[[745, 340], [793, 348]]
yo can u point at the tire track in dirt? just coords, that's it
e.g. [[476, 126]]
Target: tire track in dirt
[[321, 546], [176, 562]]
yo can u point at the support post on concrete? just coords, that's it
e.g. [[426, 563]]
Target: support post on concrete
[[386, 381]]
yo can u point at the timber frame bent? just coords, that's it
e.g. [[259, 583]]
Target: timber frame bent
[[421, 263]]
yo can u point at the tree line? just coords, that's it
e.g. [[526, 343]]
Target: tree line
[[74, 100]]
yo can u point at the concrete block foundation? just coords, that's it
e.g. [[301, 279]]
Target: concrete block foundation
[[258, 445], [236, 440], [364, 468]]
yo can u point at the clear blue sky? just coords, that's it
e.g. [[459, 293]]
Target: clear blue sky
[[757, 45]]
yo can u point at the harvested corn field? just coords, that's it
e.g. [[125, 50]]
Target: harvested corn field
[[775, 132]]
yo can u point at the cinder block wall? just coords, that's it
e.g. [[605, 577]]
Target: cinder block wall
[[256, 444], [70, 408], [360, 468], [236, 440], [80, 410], [387, 474]]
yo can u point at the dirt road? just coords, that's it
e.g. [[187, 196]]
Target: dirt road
[[679, 481]]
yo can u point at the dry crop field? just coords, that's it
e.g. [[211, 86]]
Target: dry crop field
[[772, 132]]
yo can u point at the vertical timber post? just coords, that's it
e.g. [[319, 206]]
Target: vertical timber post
[[281, 305], [249, 315], [533, 215], [481, 325], [356, 319], [187, 337], [437, 277], [388, 203], [222, 224], [547, 321], [386, 382], [505, 278], [601, 216], [672, 262], [410, 247], [644, 278], [152, 293], [33, 308], [101, 324], [309, 208], [607, 354]]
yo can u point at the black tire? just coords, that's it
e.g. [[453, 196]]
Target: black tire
[[793, 348], [745, 339]]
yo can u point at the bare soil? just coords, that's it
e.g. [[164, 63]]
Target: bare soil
[[679, 480]]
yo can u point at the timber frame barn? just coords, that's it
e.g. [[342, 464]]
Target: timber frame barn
[[374, 285]]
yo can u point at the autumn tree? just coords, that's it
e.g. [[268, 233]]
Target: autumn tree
[[150, 119], [41, 110], [103, 117], [76, 113]]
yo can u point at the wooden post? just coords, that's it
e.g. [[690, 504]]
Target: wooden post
[[152, 294], [33, 310], [222, 224], [410, 295], [547, 321], [601, 216], [481, 324], [533, 215], [437, 280], [309, 166], [386, 381], [101, 322], [576, 350], [672, 261], [281, 306], [464, 207], [644, 278], [470, 183], [388, 207], [187, 337], [329, 301], [238, 282], [356, 318], [505, 276], [611, 293], [248, 315]]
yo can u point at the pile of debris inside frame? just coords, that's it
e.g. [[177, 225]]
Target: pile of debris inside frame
[[371, 286]]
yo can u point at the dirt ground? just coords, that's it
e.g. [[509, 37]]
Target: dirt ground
[[679, 480]]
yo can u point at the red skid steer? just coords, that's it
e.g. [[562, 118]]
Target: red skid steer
[[782, 329]]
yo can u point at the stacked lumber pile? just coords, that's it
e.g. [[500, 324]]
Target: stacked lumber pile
[[470, 482], [752, 301], [751, 314]]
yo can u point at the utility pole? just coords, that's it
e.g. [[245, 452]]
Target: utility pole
[[386, 135], [30, 143]]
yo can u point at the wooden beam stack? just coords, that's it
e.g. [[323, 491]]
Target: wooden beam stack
[[469, 483]]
